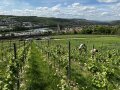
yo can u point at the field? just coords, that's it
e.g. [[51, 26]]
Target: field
[[57, 64]]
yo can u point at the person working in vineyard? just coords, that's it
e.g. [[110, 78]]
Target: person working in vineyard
[[82, 48]]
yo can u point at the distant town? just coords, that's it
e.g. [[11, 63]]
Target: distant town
[[22, 26]]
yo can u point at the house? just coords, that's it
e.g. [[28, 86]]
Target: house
[[27, 24]]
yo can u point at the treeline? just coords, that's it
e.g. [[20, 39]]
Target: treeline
[[52, 22], [107, 30]]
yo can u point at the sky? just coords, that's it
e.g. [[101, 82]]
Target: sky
[[102, 10]]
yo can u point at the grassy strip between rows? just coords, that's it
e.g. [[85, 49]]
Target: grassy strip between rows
[[39, 75]]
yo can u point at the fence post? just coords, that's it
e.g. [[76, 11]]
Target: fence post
[[101, 46], [24, 51], [58, 54], [15, 51], [93, 46], [48, 52], [10, 43], [48, 42], [2, 49], [17, 74], [69, 61], [19, 43], [41, 45]]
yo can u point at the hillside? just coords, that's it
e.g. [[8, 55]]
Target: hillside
[[116, 22], [53, 21]]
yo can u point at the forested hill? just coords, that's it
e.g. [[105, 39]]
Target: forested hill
[[116, 22], [53, 21]]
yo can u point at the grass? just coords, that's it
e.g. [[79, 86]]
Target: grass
[[41, 72], [40, 76], [83, 76], [82, 36]]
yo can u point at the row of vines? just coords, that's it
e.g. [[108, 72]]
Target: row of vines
[[58, 65], [79, 71], [13, 57]]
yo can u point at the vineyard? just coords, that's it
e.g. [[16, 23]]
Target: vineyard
[[57, 64]]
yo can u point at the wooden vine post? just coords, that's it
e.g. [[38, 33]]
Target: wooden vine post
[[41, 45], [24, 51], [58, 53], [15, 51], [10, 43], [69, 60], [19, 43], [15, 58], [48, 44], [93, 46], [93, 56], [2, 49]]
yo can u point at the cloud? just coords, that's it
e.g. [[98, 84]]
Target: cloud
[[104, 13], [74, 5], [107, 1], [78, 7], [74, 10], [42, 8], [88, 8], [56, 8]]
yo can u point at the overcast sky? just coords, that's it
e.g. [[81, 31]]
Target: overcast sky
[[87, 9]]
